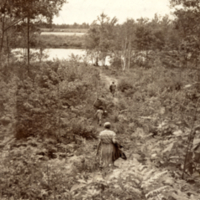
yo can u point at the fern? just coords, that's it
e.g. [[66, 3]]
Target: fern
[[156, 192], [153, 179]]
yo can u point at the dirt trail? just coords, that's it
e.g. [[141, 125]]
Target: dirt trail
[[107, 80]]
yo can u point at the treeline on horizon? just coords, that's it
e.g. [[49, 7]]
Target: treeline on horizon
[[161, 35], [104, 35], [63, 26]]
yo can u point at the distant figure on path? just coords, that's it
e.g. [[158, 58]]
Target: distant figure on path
[[108, 149], [99, 103], [99, 115], [113, 88]]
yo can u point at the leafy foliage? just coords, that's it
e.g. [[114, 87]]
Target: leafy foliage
[[133, 180], [154, 114]]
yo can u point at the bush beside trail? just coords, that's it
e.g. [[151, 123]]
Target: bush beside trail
[[52, 118]]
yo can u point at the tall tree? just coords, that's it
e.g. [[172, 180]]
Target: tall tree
[[188, 24], [100, 39], [126, 38], [31, 10], [5, 22]]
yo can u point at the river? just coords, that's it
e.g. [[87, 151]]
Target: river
[[63, 33], [61, 54]]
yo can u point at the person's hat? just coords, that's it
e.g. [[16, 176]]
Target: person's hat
[[107, 125]]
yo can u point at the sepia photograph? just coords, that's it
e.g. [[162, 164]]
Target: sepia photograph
[[99, 100]]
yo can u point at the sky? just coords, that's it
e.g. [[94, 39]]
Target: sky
[[80, 11]]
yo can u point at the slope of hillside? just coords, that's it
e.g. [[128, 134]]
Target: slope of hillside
[[51, 117]]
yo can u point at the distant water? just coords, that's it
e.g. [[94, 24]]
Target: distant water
[[64, 53], [54, 53], [61, 54], [63, 33]]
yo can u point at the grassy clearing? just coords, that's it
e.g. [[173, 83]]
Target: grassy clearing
[[61, 41], [53, 41]]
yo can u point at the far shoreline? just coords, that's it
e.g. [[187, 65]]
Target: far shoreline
[[61, 47]]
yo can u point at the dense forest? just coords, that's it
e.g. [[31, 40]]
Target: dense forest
[[48, 129]]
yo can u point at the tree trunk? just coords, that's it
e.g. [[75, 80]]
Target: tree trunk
[[2, 38], [129, 54], [28, 38], [59, 112], [8, 49], [124, 56], [97, 62]]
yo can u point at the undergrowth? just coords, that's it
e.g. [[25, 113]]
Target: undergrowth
[[51, 116]]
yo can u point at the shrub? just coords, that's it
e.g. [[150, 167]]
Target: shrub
[[40, 99], [116, 63], [83, 128], [120, 128], [125, 84]]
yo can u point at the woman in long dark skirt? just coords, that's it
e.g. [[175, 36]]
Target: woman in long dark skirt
[[106, 148]]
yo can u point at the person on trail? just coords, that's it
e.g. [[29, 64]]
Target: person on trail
[[113, 88], [99, 103], [99, 115], [108, 149]]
